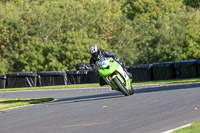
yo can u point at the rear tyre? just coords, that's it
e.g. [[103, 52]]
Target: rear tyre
[[120, 86]]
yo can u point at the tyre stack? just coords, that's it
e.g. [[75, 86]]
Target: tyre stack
[[82, 75]]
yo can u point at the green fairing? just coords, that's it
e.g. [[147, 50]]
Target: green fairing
[[113, 65], [128, 85], [108, 69]]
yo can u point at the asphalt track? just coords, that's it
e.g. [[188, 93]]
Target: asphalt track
[[152, 109]]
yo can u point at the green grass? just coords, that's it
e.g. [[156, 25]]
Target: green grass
[[52, 87], [11, 103], [194, 128], [97, 85]]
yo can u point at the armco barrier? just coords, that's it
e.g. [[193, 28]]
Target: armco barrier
[[141, 72], [164, 71], [52, 78], [15, 80], [186, 69], [78, 77], [2, 81]]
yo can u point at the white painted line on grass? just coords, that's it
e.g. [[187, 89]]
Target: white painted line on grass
[[169, 131]]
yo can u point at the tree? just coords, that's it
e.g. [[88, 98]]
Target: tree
[[192, 3], [192, 36], [57, 34], [163, 30]]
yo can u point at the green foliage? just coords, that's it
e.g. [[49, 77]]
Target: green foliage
[[192, 3], [55, 35], [165, 31]]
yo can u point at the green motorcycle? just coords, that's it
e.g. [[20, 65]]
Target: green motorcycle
[[115, 76]]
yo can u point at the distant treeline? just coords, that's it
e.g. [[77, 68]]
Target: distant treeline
[[55, 35]]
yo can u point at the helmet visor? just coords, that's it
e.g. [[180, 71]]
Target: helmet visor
[[95, 55]]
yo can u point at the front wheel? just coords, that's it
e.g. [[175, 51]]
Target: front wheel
[[131, 91], [120, 86]]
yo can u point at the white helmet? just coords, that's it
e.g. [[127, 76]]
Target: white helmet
[[95, 52]]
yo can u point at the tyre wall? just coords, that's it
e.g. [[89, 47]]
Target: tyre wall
[[163, 71], [18, 80], [141, 72], [2, 81], [52, 78], [145, 72], [198, 67], [186, 69]]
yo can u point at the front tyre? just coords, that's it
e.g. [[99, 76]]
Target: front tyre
[[120, 86], [131, 91]]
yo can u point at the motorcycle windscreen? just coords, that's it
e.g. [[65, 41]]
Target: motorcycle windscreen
[[113, 66]]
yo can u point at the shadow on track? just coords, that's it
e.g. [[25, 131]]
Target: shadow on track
[[166, 88], [115, 94], [90, 97]]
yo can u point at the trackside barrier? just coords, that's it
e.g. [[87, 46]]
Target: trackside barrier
[[141, 72], [82, 77], [72, 78], [15, 80], [146, 72], [78, 77], [52, 78], [186, 69], [83, 66], [198, 67], [93, 77], [164, 71], [2, 81]]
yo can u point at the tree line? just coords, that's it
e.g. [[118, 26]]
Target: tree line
[[55, 35]]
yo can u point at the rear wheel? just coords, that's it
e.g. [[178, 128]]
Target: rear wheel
[[120, 86]]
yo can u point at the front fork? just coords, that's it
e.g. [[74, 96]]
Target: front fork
[[126, 84]]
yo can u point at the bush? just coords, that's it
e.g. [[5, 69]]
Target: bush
[[56, 35]]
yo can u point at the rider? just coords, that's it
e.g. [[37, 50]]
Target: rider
[[96, 54]]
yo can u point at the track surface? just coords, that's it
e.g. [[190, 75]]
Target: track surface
[[151, 109]]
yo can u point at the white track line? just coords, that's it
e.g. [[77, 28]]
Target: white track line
[[169, 131]]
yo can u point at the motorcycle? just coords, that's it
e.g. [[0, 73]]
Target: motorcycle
[[115, 76]]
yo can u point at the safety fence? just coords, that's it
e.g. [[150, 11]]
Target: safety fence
[[84, 74]]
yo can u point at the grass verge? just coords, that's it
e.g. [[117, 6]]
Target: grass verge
[[93, 85], [52, 87], [11, 103], [194, 128]]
